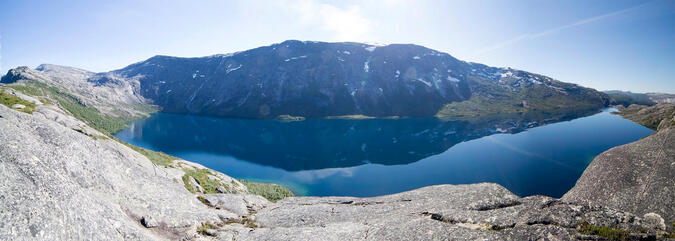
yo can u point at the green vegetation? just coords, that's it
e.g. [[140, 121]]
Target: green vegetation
[[93, 117], [248, 222], [76, 107], [202, 229], [289, 118], [202, 176], [159, 158], [627, 98], [350, 117], [203, 200], [272, 192], [9, 100], [90, 114], [607, 232], [489, 100]]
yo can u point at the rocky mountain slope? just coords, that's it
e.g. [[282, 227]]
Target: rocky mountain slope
[[662, 97], [636, 177], [63, 180], [656, 117], [319, 79]]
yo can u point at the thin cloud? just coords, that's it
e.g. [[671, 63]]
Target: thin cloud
[[554, 30], [346, 24]]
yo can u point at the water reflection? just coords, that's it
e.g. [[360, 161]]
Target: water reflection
[[324, 143]]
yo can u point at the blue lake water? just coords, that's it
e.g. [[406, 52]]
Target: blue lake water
[[326, 157]]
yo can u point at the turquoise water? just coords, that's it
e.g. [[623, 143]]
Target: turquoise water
[[327, 157]]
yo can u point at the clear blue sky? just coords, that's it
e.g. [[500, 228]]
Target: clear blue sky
[[613, 44]]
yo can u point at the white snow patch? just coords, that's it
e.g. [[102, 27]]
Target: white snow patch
[[366, 68], [168, 91], [370, 48], [294, 58], [346, 52], [194, 76], [341, 59], [416, 57], [380, 89], [230, 69], [397, 74], [450, 78], [353, 92], [425, 82]]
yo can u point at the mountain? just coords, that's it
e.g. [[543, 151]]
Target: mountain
[[319, 79], [626, 98], [662, 97]]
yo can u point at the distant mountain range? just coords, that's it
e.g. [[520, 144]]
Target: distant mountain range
[[626, 98], [319, 79]]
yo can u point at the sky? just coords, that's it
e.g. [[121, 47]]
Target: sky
[[606, 45]]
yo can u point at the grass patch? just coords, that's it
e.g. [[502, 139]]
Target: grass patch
[[202, 229], [350, 117], [202, 176], [186, 184], [607, 232], [289, 118], [272, 192], [90, 114], [159, 158], [9, 100], [78, 108], [489, 100], [248, 222], [203, 200]]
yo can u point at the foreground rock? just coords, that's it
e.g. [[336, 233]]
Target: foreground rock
[[483, 211], [637, 177], [59, 184]]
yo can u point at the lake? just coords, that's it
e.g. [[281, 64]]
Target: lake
[[335, 157]]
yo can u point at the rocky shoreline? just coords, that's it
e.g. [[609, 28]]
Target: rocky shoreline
[[64, 180]]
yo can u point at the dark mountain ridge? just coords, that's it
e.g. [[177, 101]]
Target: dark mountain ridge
[[320, 79]]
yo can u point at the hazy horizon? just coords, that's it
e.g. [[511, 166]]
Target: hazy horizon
[[606, 45]]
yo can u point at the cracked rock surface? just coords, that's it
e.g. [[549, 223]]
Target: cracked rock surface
[[637, 177], [432, 213]]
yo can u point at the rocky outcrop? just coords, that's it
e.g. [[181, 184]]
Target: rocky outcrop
[[60, 184], [657, 117], [460, 212], [636, 177], [115, 97]]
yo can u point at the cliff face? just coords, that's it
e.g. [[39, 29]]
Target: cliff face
[[62, 180], [638, 177]]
